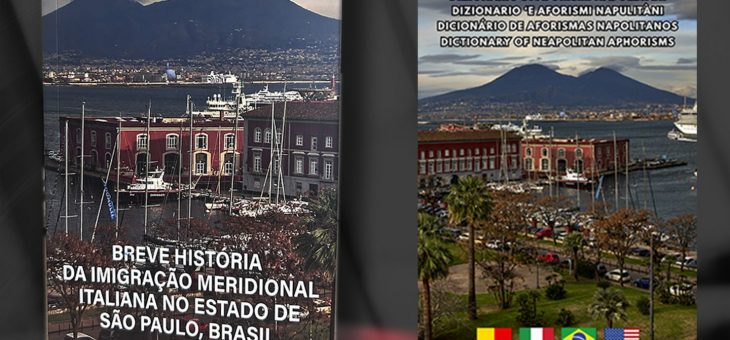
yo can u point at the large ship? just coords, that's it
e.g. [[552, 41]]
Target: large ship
[[685, 127], [219, 78], [265, 97]]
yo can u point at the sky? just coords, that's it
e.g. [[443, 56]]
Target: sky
[[328, 8], [443, 70]]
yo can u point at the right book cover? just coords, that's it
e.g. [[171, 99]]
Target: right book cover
[[557, 170]]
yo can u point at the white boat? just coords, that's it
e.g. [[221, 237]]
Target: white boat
[[154, 185], [265, 97], [220, 78], [220, 107], [572, 177], [686, 123]]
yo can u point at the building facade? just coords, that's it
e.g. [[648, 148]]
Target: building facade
[[445, 155], [590, 157], [217, 148], [305, 146]]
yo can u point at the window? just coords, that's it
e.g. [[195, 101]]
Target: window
[[267, 136], [561, 153], [141, 163], [141, 141], [422, 168], [275, 165], [446, 153], [229, 141], [492, 166], [313, 145], [491, 151], [423, 154], [201, 141], [228, 162], [430, 167], [93, 138], [108, 140], [257, 162], [528, 151], [313, 166], [172, 142], [201, 163], [514, 148], [430, 153], [544, 164], [513, 160], [257, 135], [476, 165], [328, 142], [107, 160], [578, 153], [328, 169], [300, 140], [476, 152], [528, 164], [598, 152], [544, 152], [439, 166], [438, 154], [78, 136], [278, 138], [461, 152], [299, 165]]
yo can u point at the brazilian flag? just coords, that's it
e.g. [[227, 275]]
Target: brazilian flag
[[578, 334]]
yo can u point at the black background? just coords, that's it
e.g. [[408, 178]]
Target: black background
[[377, 268]]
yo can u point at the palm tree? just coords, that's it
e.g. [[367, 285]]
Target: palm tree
[[574, 243], [469, 202], [609, 304], [433, 262], [318, 244]]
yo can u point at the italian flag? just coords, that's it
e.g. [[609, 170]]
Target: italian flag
[[494, 334], [537, 334]]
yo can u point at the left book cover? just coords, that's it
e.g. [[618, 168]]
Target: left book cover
[[192, 165]]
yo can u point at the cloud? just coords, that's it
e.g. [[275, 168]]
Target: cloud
[[446, 58], [684, 9], [686, 60], [625, 63]]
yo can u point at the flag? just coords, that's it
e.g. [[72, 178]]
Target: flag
[[621, 333], [537, 334], [110, 203], [494, 334], [578, 334]]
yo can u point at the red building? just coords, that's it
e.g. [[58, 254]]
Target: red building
[[309, 147], [214, 144], [590, 157], [445, 154]]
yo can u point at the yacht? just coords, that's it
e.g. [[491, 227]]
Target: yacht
[[686, 123], [572, 178], [154, 185], [220, 107]]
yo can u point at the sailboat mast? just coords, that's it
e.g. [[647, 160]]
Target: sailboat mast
[[81, 213], [626, 167], [117, 184], [147, 166], [271, 149], [578, 173], [179, 179], [235, 143], [190, 159], [615, 170], [65, 143]]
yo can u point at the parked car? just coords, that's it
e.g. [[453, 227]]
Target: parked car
[[550, 258], [643, 252], [618, 275], [79, 335], [684, 261], [681, 289], [642, 282], [691, 263], [542, 233]]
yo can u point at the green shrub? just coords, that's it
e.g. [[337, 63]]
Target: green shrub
[[603, 284], [586, 269], [565, 318], [527, 314], [555, 291], [642, 304]]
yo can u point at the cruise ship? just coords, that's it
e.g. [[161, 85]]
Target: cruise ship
[[265, 97], [685, 125]]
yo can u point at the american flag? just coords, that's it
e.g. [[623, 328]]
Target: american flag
[[621, 334]]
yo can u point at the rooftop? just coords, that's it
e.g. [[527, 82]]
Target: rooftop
[[462, 135], [318, 110]]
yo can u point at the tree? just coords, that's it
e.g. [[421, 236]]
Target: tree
[[318, 244], [469, 203], [683, 229], [574, 243], [433, 263], [549, 209], [609, 304], [620, 231]]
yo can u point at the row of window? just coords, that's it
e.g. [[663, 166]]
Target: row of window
[[510, 148], [107, 139], [327, 174], [448, 165], [561, 152], [299, 139], [172, 141], [201, 161], [545, 164]]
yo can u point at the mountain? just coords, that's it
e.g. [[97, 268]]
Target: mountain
[[181, 28], [541, 87]]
